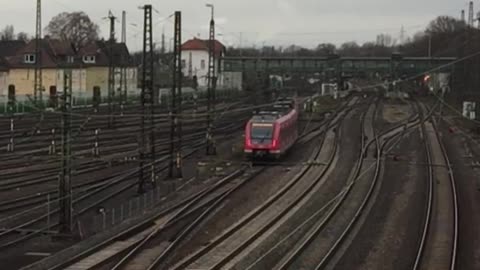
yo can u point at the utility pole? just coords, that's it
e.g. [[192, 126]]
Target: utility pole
[[190, 66], [430, 47], [123, 74], [147, 101], [38, 84], [175, 169], [402, 35], [111, 72], [470, 14], [211, 147], [163, 42], [65, 183], [241, 43]]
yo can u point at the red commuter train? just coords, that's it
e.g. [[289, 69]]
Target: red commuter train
[[272, 132]]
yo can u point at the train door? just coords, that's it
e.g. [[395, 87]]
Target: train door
[[53, 96], [97, 96], [11, 97]]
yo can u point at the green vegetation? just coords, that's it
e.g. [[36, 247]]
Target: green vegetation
[[321, 104]]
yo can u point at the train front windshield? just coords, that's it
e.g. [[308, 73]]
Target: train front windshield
[[262, 132]]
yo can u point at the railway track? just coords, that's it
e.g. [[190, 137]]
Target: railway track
[[109, 187], [306, 254], [162, 252], [151, 255], [183, 211], [439, 240], [91, 204], [43, 222], [299, 256], [220, 251], [84, 142], [113, 144], [312, 235]]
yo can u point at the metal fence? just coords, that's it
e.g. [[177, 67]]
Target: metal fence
[[88, 225], [107, 218]]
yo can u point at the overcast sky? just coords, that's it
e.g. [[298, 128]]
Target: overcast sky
[[269, 22]]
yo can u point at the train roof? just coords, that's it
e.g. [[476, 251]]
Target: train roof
[[285, 101], [267, 118], [272, 114]]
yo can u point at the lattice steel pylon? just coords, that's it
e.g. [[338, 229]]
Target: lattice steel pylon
[[111, 71], [470, 14], [38, 83], [65, 182], [175, 168], [190, 66], [123, 72], [211, 147], [147, 102]]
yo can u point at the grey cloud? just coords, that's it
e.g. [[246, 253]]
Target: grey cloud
[[273, 22]]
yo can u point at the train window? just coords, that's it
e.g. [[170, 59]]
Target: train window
[[262, 132]]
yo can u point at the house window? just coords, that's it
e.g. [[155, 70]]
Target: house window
[[29, 58], [89, 59], [184, 63], [70, 59], [202, 64]]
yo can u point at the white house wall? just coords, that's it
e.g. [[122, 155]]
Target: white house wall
[[197, 57]]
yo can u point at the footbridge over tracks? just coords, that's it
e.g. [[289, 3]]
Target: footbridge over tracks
[[396, 65]]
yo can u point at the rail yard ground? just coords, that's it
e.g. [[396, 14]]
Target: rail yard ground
[[372, 183]]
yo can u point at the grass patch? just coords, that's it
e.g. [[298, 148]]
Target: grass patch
[[324, 104]]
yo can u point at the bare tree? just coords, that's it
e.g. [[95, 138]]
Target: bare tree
[[326, 48], [350, 49], [445, 25], [23, 36], [75, 27], [372, 49], [7, 33], [384, 40]]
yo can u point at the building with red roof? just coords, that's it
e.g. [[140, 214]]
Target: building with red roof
[[195, 59], [89, 66]]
